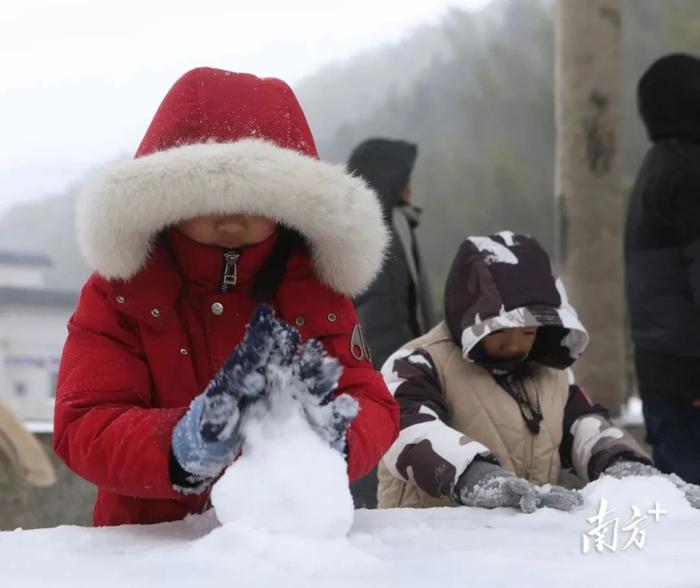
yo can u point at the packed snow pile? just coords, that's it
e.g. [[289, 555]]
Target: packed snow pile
[[403, 548], [288, 479], [639, 491]]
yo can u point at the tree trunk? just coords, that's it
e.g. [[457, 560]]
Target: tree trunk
[[588, 188]]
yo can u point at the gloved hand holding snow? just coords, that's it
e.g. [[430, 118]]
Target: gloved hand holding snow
[[559, 498], [315, 377], [624, 469], [487, 485], [209, 435], [289, 448], [309, 376]]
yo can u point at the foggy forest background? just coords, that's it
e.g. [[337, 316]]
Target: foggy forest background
[[475, 92]]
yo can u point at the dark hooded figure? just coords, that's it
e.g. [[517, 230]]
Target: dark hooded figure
[[398, 306], [663, 264]]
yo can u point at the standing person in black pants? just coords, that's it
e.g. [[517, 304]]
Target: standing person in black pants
[[663, 264]]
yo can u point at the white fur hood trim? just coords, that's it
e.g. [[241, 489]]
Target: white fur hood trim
[[122, 207]]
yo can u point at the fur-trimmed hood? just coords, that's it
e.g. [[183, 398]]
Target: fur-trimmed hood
[[505, 281], [224, 143]]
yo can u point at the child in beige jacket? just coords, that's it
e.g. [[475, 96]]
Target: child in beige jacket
[[490, 413]]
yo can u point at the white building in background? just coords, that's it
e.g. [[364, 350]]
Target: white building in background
[[33, 320]]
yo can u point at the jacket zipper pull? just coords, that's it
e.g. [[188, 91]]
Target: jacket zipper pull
[[230, 276]]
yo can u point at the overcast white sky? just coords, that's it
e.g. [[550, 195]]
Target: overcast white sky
[[81, 78]]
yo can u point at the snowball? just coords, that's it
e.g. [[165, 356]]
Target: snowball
[[287, 480]]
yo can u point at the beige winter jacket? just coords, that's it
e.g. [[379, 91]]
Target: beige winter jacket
[[484, 413], [24, 451]]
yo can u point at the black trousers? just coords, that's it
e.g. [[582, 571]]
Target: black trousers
[[364, 491]]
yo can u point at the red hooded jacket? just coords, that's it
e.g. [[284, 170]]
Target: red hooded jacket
[[152, 326]]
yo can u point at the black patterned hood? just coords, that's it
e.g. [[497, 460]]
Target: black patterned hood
[[505, 281]]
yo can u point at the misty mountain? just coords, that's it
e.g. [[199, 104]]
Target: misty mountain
[[482, 114], [47, 227], [475, 92]]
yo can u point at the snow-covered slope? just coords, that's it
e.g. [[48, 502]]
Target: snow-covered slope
[[403, 548]]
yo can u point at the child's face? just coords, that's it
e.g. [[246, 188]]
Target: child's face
[[510, 344], [228, 231]]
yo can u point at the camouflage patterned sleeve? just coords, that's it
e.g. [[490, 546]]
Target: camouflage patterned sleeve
[[428, 452], [591, 443]]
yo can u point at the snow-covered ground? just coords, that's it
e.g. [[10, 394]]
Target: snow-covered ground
[[285, 519], [403, 548]]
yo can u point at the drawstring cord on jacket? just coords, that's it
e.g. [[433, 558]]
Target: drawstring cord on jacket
[[512, 383]]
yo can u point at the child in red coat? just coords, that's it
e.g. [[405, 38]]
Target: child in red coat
[[225, 206]]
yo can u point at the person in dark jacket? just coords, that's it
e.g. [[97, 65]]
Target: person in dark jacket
[[398, 306], [663, 264]]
